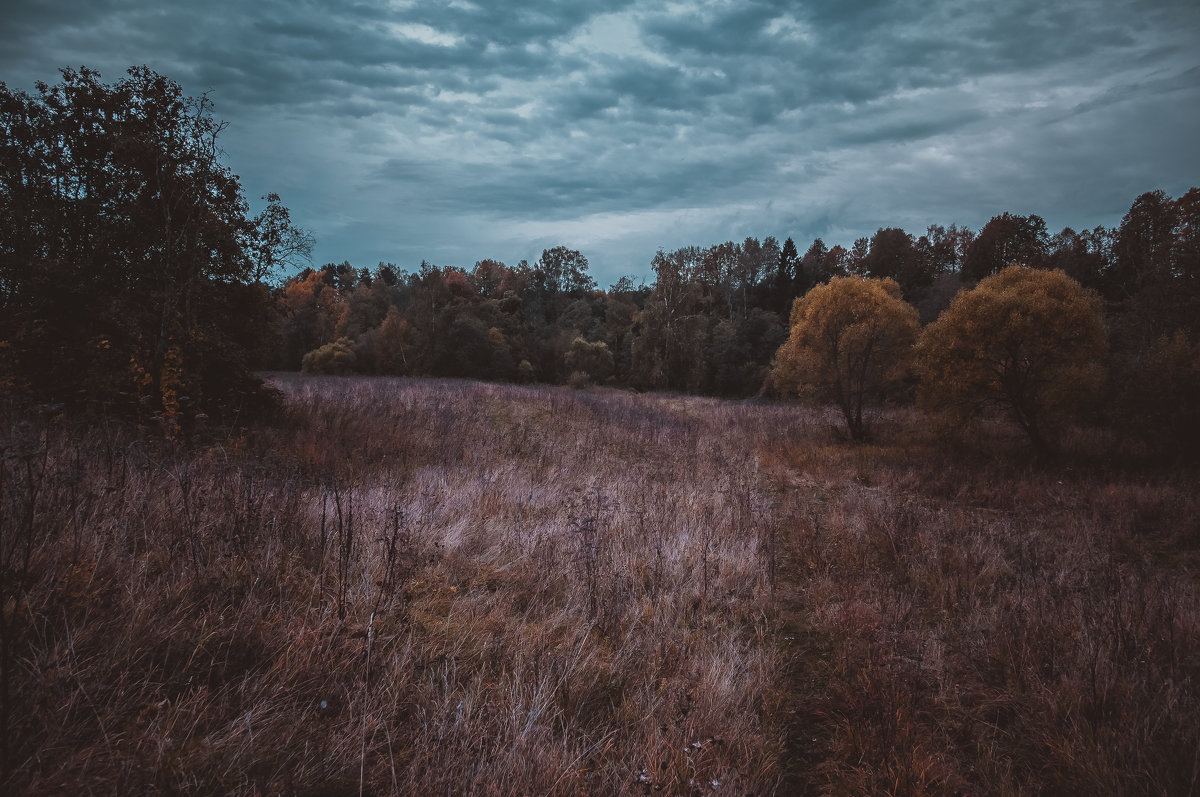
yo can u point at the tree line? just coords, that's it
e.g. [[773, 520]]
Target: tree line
[[714, 318], [134, 279]]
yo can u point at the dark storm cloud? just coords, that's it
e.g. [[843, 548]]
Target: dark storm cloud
[[1122, 92], [564, 187], [459, 130]]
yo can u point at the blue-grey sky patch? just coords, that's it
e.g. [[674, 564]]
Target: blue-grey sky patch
[[459, 130]]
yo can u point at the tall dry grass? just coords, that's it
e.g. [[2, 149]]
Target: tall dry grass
[[976, 622], [408, 586], [431, 586]]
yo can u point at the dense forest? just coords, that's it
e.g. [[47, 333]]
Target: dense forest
[[713, 317]]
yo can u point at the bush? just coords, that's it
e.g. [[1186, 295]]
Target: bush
[[335, 358], [588, 362]]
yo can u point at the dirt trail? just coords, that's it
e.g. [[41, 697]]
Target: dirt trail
[[807, 729], [802, 722]]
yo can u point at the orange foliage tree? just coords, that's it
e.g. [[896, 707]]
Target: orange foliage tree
[[850, 343], [1028, 341]]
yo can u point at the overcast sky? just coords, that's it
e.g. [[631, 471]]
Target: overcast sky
[[454, 131]]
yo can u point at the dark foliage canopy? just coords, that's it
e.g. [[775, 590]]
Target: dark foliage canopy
[[130, 271]]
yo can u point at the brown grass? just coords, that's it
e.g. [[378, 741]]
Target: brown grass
[[430, 586], [988, 625], [410, 586]]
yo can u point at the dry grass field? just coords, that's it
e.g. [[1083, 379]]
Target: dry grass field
[[420, 586]]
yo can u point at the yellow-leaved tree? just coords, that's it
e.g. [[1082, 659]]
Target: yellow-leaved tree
[[851, 342], [1027, 341]]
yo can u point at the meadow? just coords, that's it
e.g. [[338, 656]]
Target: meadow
[[408, 586]]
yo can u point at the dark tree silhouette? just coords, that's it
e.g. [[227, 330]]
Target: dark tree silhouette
[[1003, 241], [789, 278], [129, 268]]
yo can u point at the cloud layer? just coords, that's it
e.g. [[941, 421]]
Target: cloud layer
[[454, 131]]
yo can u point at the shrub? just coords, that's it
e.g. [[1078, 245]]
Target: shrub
[[588, 362], [333, 358]]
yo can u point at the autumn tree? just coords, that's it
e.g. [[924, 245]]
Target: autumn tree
[[395, 345], [311, 306], [1029, 342], [850, 343], [487, 276]]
